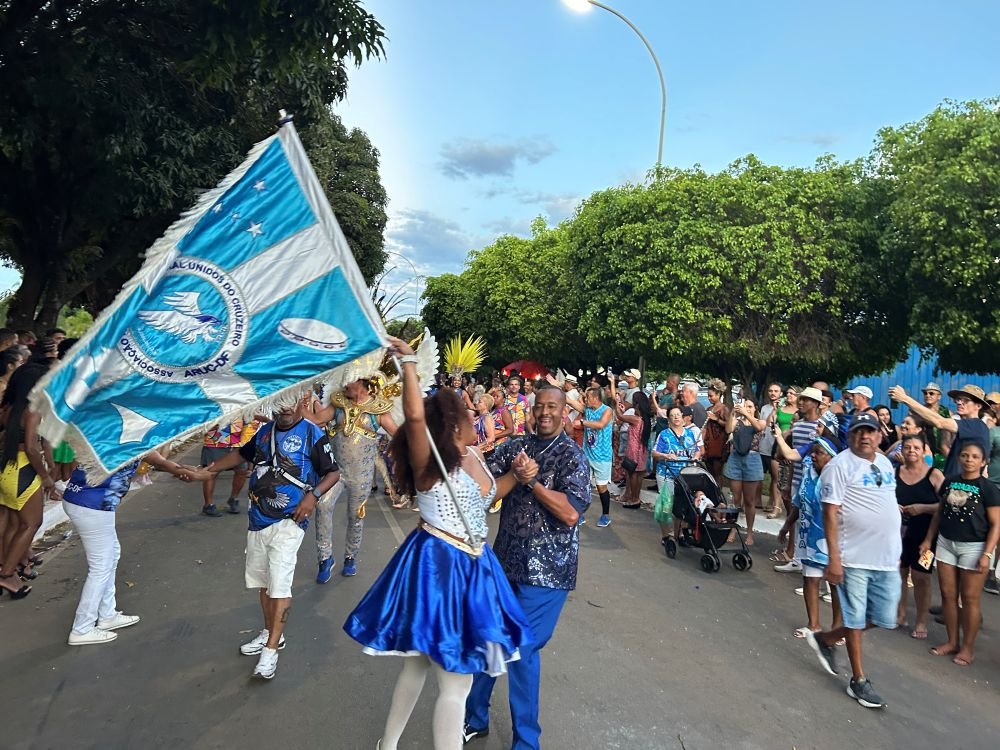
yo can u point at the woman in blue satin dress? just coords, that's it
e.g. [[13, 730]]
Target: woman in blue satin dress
[[443, 602]]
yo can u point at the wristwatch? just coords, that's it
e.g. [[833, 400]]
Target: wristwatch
[[307, 489], [531, 485]]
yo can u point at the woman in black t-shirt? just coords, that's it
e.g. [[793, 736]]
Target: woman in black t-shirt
[[917, 486], [967, 523]]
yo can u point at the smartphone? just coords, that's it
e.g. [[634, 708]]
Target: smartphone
[[926, 560]]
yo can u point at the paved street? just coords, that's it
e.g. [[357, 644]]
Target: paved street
[[649, 653]]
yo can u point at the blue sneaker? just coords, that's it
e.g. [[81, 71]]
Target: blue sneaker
[[349, 569], [603, 521], [582, 520], [325, 570]]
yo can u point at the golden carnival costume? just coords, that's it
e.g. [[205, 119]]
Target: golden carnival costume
[[356, 438]]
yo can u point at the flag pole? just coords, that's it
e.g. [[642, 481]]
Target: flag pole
[[473, 537], [284, 119]]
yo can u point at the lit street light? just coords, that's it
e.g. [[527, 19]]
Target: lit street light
[[583, 6]]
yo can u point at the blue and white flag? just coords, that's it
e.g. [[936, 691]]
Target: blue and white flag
[[252, 293]]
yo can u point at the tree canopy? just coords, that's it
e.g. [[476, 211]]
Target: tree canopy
[[113, 115], [761, 272], [757, 272], [945, 229]]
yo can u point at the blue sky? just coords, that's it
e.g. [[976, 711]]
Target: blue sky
[[489, 113]]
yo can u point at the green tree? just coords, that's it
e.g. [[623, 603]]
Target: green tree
[[113, 116], [346, 164], [945, 230], [754, 273], [452, 307], [513, 294]]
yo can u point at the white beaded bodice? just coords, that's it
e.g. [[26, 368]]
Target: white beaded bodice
[[438, 510]]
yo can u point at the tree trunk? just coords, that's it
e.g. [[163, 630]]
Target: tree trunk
[[48, 313], [24, 303]]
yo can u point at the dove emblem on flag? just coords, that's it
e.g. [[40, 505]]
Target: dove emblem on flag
[[184, 319]]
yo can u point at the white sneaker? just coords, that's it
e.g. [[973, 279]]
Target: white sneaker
[[800, 591], [792, 566], [267, 664], [120, 620], [95, 635], [254, 647]]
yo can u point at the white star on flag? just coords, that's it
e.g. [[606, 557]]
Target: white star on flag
[[260, 186], [217, 209], [256, 229], [235, 215]]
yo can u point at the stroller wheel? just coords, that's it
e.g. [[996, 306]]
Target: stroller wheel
[[742, 561], [709, 564], [671, 547]]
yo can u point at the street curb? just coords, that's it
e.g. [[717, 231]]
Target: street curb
[[52, 516], [761, 525]]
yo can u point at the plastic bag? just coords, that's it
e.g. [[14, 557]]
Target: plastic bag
[[663, 510]]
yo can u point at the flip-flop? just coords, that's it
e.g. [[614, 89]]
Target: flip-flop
[[942, 652], [841, 642], [802, 632], [962, 662], [920, 635]]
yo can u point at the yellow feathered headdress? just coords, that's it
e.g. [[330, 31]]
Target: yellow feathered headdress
[[464, 357]]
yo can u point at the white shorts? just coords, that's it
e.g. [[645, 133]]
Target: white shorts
[[808, 571], [271, 557]]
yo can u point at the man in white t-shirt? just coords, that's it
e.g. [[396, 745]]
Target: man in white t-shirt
[[861, 519]]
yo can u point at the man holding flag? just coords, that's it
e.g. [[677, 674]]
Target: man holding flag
[[247, 301], [291, 467]]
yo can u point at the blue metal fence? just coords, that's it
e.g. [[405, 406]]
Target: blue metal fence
[[913, 375]]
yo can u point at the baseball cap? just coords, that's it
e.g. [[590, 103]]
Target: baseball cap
[[633, 373], [814, 393], [933, 387], [863, 420], [862, 390], [993, 398]]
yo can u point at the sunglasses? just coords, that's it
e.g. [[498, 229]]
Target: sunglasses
[[878, 475]]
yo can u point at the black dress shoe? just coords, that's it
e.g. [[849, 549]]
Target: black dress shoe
[[469, 734]]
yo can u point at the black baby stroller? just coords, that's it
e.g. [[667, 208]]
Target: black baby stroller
[[708, 528]]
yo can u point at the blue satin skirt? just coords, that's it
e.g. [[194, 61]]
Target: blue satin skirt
[[436, 600]]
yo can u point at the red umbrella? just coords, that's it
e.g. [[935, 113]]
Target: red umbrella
[[527, 368]]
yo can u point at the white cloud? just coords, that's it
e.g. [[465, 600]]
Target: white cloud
[[471, 157], [558, 206]]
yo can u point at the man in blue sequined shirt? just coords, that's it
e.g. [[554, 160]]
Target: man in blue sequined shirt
[[545, 482]]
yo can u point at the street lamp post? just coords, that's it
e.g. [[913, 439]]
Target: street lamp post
[[582, 6]]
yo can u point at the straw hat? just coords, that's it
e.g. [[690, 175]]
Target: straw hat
[[970, 391]]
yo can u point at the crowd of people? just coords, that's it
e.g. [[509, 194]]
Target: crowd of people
[[869, 506], [870, 509]]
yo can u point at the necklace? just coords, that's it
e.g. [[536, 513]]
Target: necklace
[[551, 443]]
